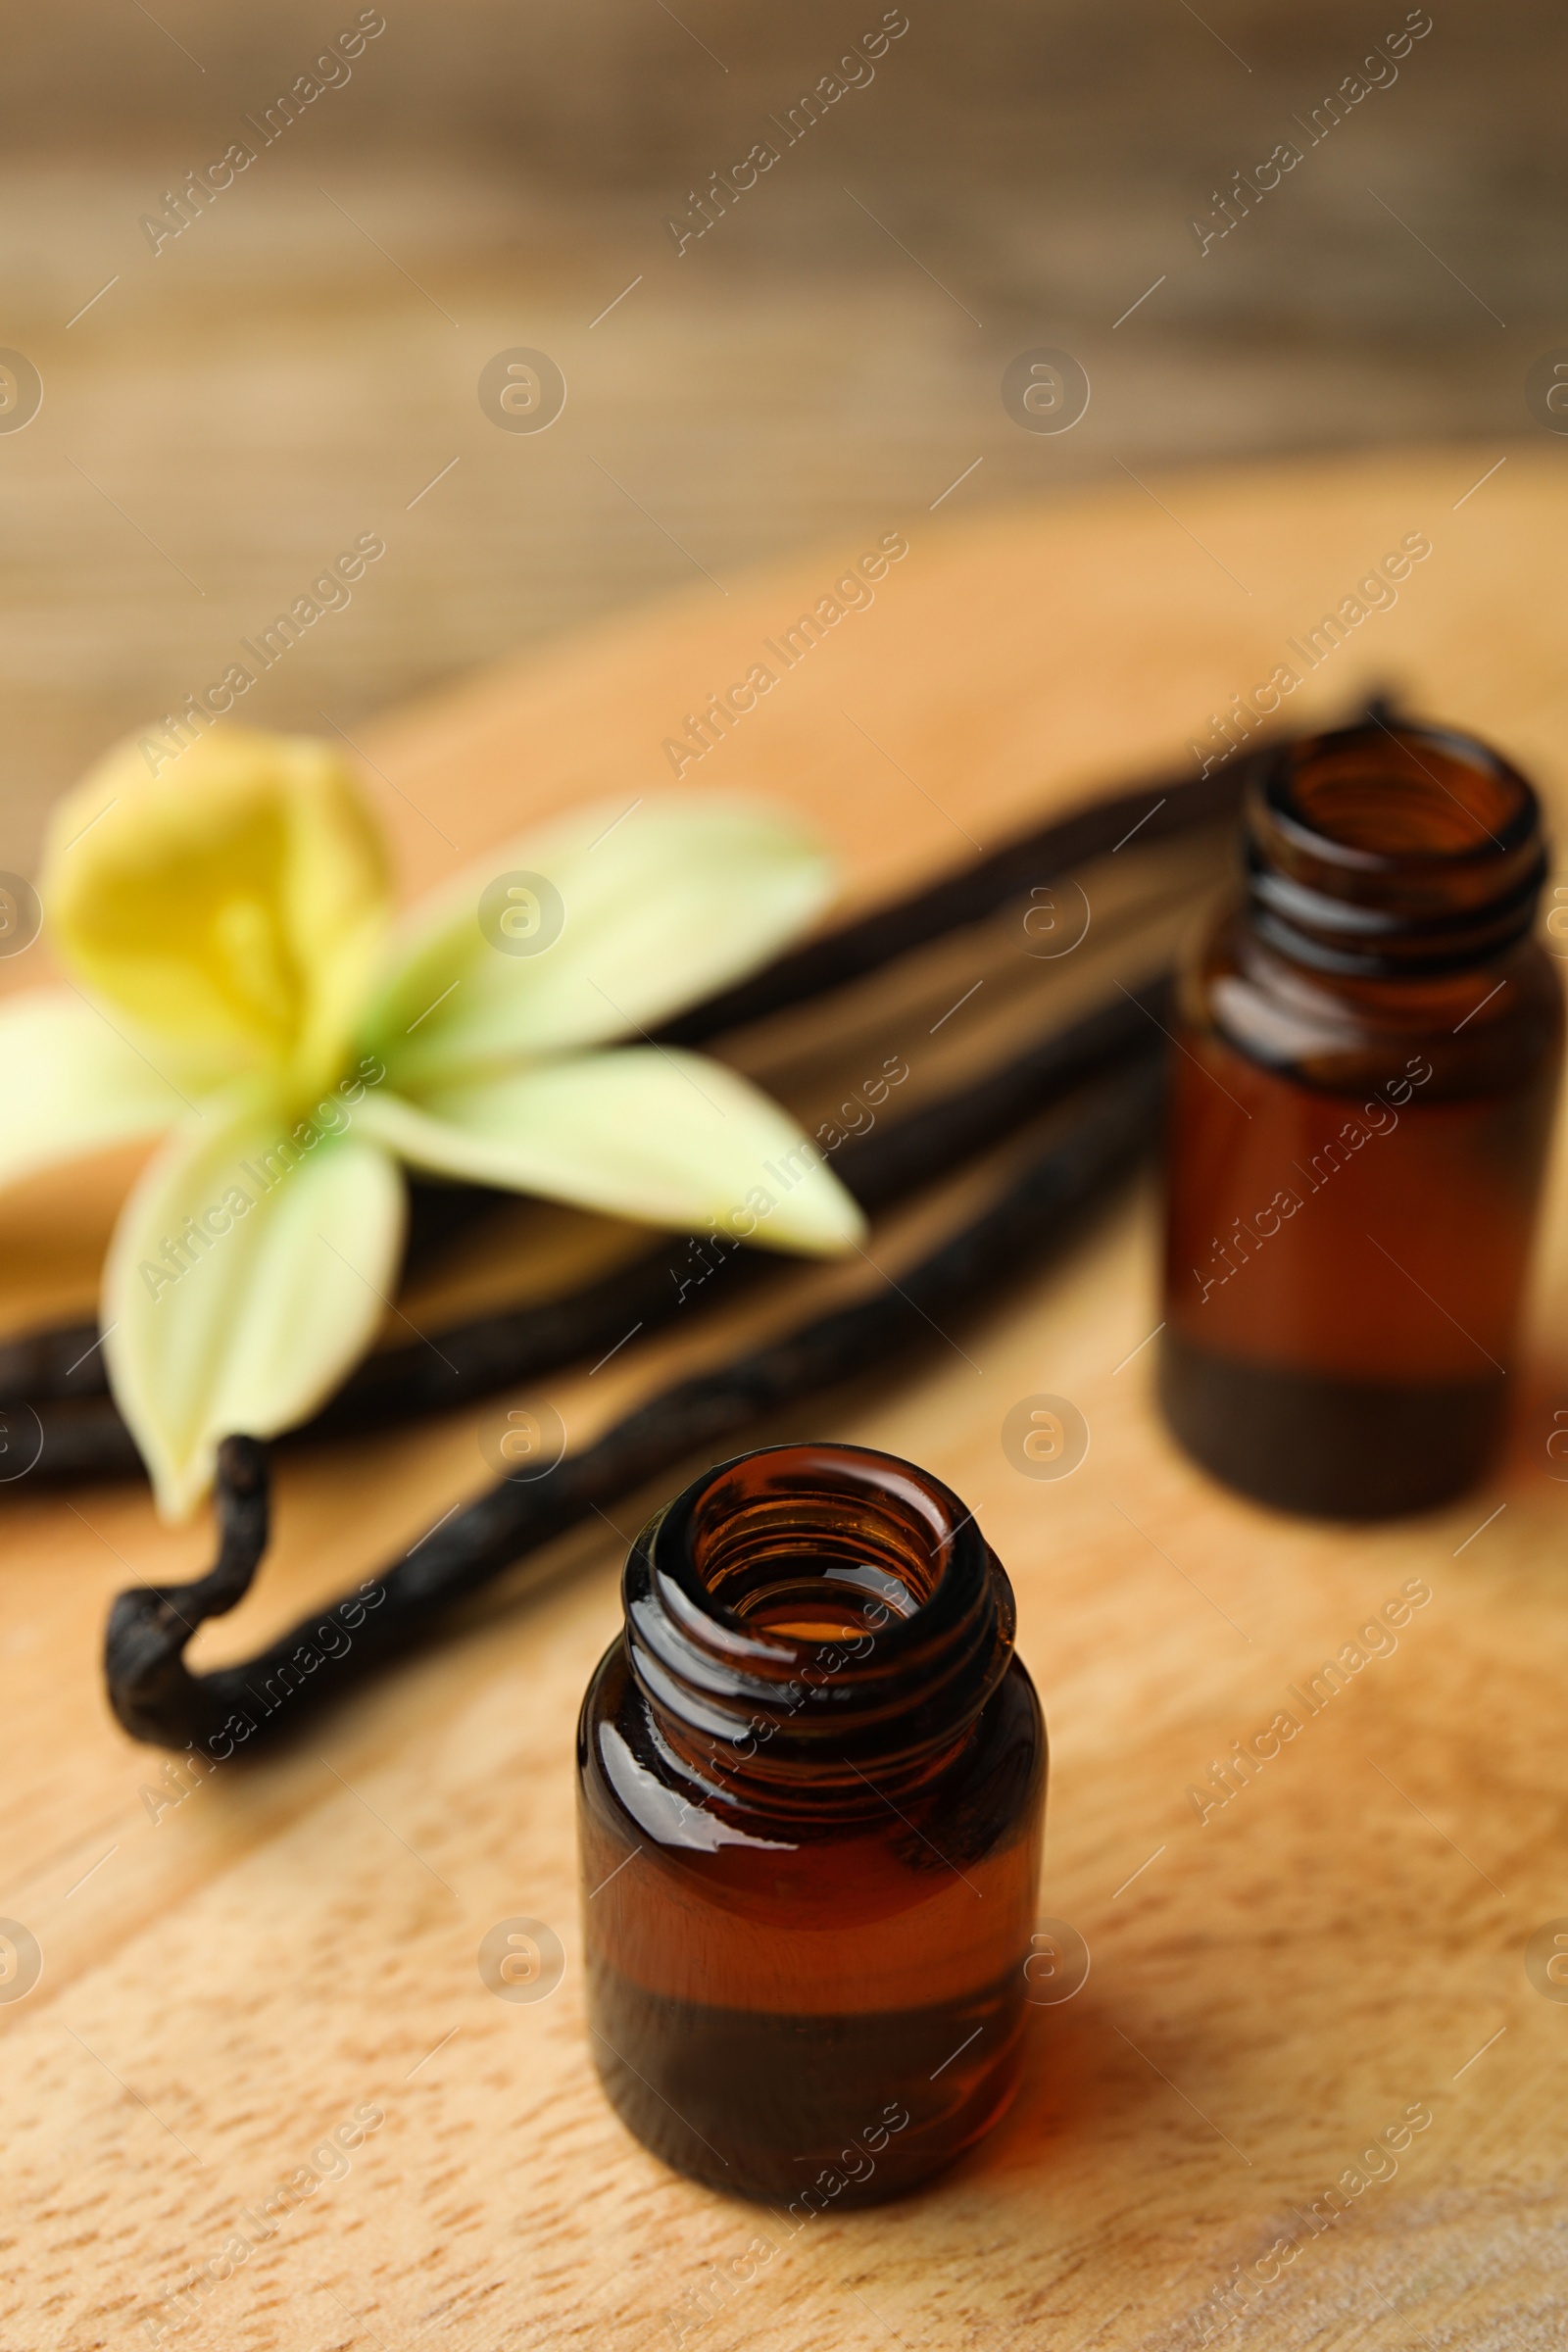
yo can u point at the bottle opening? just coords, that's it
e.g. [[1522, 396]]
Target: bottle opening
[[1388, 794], [817, 1598], [818, 1601], [791, 1551], [1379, 849]]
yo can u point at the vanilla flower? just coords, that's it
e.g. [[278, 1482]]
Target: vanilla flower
[[239, 985]]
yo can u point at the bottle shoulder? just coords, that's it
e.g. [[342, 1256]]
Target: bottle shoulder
[[1480, 1029], [630, 1775]]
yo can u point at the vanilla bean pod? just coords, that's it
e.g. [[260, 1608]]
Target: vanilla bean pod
[[63, 1365], [158, 1700], [37, 1366], [879, 1168], [84, 1437], [1164, 806], [147, 1631]]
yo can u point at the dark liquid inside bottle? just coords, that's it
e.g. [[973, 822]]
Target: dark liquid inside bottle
[[1361, 1109], [812, 1780]]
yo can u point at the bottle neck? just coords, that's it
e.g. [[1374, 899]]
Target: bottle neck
[[817, 1624], [1383, 852]]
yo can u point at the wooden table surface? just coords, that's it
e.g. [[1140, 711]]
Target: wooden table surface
[[229, 1979]]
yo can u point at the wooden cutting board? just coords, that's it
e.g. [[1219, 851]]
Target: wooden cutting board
[[228, 1979]]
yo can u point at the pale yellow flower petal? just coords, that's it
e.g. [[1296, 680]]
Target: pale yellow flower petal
[[643, 912], [70, 1083], [234, 903], [667, 1137], [249, 1273]]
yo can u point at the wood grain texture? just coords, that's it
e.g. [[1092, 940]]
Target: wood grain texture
[[227, 1984], [237, 407]]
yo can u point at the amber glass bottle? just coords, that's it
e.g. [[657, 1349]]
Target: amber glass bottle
[[1370, 1043], [811, 1782]]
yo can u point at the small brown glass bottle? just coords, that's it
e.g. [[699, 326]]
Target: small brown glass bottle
[[1370, 1043], [811, 1782]]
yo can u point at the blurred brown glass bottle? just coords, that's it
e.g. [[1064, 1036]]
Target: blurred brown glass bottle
[[811, 1781], [1369, 1051]]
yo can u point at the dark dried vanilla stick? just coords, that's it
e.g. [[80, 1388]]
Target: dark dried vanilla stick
[[85, 1438], [222, 1713], [60, 1373], [1164, 806], [147, 1632]]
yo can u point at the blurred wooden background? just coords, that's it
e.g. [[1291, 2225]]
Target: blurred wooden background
[[302, 361]]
